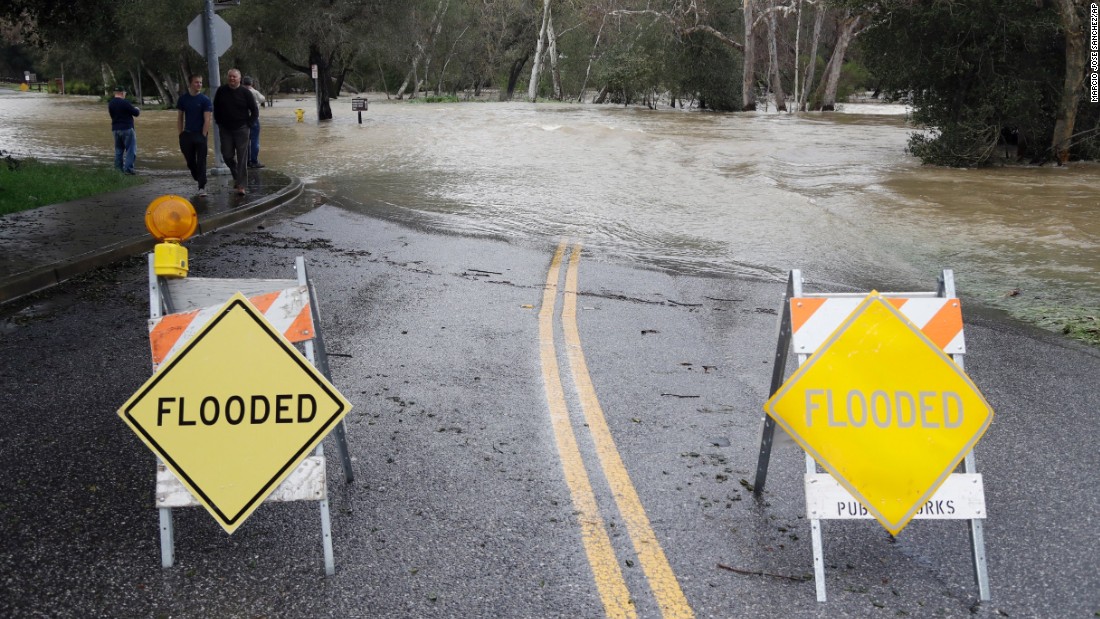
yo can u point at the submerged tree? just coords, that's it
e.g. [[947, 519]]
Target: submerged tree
[[980, 71]]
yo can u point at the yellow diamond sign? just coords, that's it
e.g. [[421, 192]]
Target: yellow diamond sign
[[234, 412], [884, 410]]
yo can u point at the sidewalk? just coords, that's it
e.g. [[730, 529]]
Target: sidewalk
[[45, 246]]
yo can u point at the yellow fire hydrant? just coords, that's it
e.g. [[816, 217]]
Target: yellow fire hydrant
[[300, 113]]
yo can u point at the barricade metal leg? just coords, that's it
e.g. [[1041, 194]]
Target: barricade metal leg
[[320, 360], [819, 548], [326, 527], [977, 542], [783, 345], [315, 352], [167, 538], [160, 303], [977, 525]]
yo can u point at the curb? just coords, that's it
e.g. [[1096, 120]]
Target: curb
[[41, 278]]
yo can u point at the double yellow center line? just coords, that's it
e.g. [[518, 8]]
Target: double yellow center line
[[597, 544]]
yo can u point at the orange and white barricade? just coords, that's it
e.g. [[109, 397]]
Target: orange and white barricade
[[813, 322]]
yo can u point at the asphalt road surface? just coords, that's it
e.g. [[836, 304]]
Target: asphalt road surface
[[469, 500]]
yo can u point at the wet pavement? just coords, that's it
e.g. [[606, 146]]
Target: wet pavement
[[460, 507], [45, 246]]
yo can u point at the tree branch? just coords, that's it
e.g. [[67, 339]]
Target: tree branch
[[725, 40], [682, 31], [290, 63]]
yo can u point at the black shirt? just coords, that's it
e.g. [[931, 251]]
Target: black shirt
[[234, 107]]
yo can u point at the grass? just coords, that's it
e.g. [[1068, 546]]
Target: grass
[[28, 183], [1078, 323]]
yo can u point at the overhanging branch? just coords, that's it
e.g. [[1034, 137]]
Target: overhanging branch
[[290, 63]]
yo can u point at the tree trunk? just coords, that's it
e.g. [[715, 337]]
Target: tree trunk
[[324, 75], [748, 76], [422, 49], [811, 65], [108, 78], [136, 79], [338, 84], [409, 76], [826, 93], [185, 70], [420, 80], [591, 58], [555, 74], [1073, 26], [797, 50], [513, 77], [773, 61], [533, 86], [164, 91], [382, 74], [447, 60]]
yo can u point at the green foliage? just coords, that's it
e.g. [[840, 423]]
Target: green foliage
[[30, 183], [970, 69], [709, 71], [436, 99], [631, 75], [957, 144], [77, 87], [854, 77]]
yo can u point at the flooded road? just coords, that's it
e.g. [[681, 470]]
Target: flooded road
[[752, 194]]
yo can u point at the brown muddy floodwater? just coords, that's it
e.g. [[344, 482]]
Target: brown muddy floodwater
[[755, 194]]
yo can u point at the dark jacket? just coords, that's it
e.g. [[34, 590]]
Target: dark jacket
[[234, 107], [122, 113]]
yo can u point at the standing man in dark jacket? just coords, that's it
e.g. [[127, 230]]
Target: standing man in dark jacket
[[234, 111], [122, 124], [193, 125]]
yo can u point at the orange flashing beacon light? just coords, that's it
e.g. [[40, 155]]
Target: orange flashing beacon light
[[171, 220]]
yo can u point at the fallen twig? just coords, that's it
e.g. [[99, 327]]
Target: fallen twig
[[676, 395], [762, 573]]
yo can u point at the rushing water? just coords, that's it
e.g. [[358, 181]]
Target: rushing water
[[834, 195]]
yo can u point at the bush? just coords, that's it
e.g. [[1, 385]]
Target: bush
[[956, 145]]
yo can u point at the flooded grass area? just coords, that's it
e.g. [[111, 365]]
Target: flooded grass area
[[1078, 323]]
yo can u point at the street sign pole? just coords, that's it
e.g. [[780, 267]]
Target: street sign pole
[[317, 89], [213, 81]]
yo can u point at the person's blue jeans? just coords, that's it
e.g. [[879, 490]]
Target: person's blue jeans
[[125, 149], [254, 143]]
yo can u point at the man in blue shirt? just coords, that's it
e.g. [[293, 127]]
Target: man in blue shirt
[[122, 124], [193, 125]]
